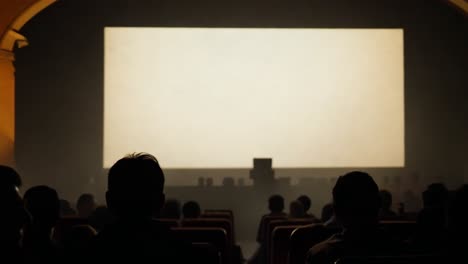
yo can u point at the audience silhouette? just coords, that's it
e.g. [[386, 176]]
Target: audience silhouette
[[135, 196], [66, 209], [13, 216], [85, 205], [276, 207], [191, 209], [171, 209], [100, 218], [307, 203], [356, 201], [127, 230], [328, 216], [458, 225], [386, 212], [431, 234], [43, 204], [296, 210]]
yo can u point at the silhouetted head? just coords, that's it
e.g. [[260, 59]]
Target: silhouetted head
[[191, 209], [436, 195], [43, 204], [296, 209], [65, 208], [327, 212], [9, 176], [386, 198], [13, 215], [135, 187], [276, 203], [306, 202], [171, 209], [356, 200], [85, 205]]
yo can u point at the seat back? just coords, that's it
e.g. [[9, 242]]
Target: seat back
[[211, 222], [418, 259], [305, 237], [280, 244], [222, 214], [263, 229], [206, 253], [282, 222], [169, 222], [210, 235]]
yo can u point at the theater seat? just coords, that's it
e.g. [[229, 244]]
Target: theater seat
[[222, 214], [206, 253], [420, 259], [212, 222], [169, 222], [280, 244], [305, 237], [282, 222], [210, 235], [263, 230]]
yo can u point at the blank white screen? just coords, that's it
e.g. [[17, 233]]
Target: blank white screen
[[218, 97]]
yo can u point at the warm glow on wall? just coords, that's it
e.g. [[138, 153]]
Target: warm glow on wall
[[7, 108]]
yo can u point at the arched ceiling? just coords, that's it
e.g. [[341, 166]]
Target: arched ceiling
[[14, 14]]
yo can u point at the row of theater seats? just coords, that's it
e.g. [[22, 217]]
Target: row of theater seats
[[214, 227], [288, 240], [212, 234]]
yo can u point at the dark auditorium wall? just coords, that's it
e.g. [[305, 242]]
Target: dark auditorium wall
[[60, 81]]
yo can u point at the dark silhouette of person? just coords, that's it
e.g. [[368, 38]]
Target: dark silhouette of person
[[171, 209], [328, 216], [191, 209], [76, 243], [356, 202], [276, 207], [100, 218], [9, 176], [13, 216], [85, 205], [307, 203], [457, 245], [66, 209], [431, 233], [386, 212], [135, 197], [42, 202], [296, 210]]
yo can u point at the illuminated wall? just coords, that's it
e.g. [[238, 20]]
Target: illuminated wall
[[7, 108]]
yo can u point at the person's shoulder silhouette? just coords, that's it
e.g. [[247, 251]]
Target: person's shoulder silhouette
[[135, 197], [356, 202], [458, 225], [85, 205], [296, 210], [43, 204], [386, 212], [13, 216]]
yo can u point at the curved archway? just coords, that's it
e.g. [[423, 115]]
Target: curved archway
[[13, 16]]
